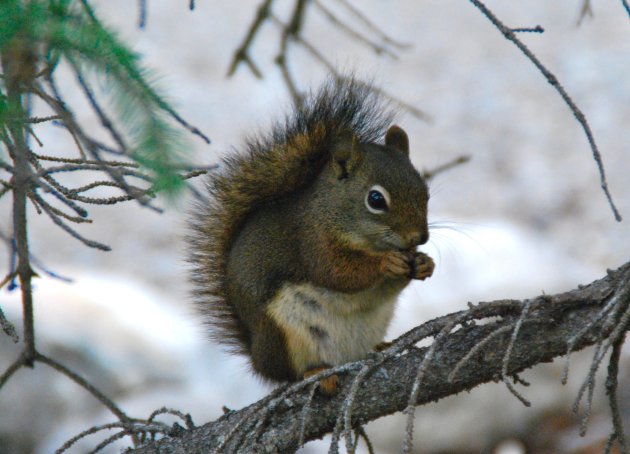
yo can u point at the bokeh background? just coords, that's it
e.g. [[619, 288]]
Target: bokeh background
[[524, 216]]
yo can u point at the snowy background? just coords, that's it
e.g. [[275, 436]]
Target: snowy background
[[526, 215]]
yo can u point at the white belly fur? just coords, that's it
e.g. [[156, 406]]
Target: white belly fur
[[327, 328]]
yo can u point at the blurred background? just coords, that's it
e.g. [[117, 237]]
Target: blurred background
[[526, 215]]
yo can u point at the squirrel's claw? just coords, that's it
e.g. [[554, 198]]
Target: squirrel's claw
[[422, 266]]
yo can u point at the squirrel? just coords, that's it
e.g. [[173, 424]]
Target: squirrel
[[308, 237]]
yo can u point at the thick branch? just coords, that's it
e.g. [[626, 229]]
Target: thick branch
[[275, 424]]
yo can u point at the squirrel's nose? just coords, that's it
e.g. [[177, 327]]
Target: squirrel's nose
[[417, 238]]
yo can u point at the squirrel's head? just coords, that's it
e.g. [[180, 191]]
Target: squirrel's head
[[377, 199]]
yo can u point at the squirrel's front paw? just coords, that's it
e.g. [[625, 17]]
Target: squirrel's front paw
[[395, 264], [422, 266]]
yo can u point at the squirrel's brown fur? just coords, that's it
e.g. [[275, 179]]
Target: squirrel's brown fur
[[271, 166], [290, 264]]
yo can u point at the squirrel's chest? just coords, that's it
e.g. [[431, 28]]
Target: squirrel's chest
[[328, 328]]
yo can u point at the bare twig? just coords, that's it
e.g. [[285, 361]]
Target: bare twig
[[508, 354], [132, 165], [100, 113], [137, 427], [241, 55], [57, 104], [407, 444], [372, 26], [346, 412], [477, 348], [360, 432], [90, 243], [429, 174], [13, 367], [376, 47], [41, 203], [611, 390], [305, 412], [142, 13], [586, 10], [111, 439], [290, 32], [536, 29], [5, 324], [553, 80], [106, 401], [185, 417]]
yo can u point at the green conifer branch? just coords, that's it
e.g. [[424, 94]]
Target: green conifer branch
[[70, 30]]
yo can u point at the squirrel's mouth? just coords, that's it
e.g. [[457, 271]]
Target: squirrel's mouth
[[392, 241]]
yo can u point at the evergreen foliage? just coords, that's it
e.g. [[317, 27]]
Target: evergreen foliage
[[43, 33]]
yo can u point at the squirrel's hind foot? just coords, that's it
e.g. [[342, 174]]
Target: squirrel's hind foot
[[328, 385], [382, 346]]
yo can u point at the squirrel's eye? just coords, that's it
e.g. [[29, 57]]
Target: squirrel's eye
[[377, 200]]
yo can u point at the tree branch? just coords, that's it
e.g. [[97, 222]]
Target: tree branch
[[550, 326]]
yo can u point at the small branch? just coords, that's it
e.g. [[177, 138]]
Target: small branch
[[88, 162], [373, 27], [106, 401], [536, 29], [291, 31], [429, 174], [360, 432], [5, 324], [57, 104], [585, 11], [185, 417], [418, 113], [553, 80], [611, 391], [100, 113], [6, 187], [626, 6], [142, 13], [508, 354], [138, 428], [241, 55], [478, 348], [74, 233], [377, 48], [305, 413], [420, 373], [42, 203], [61, 197], [15, 366]]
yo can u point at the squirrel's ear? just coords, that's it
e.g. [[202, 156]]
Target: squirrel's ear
[[346, 156], [397, 138]]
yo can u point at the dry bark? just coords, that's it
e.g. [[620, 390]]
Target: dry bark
[[280, 423]]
